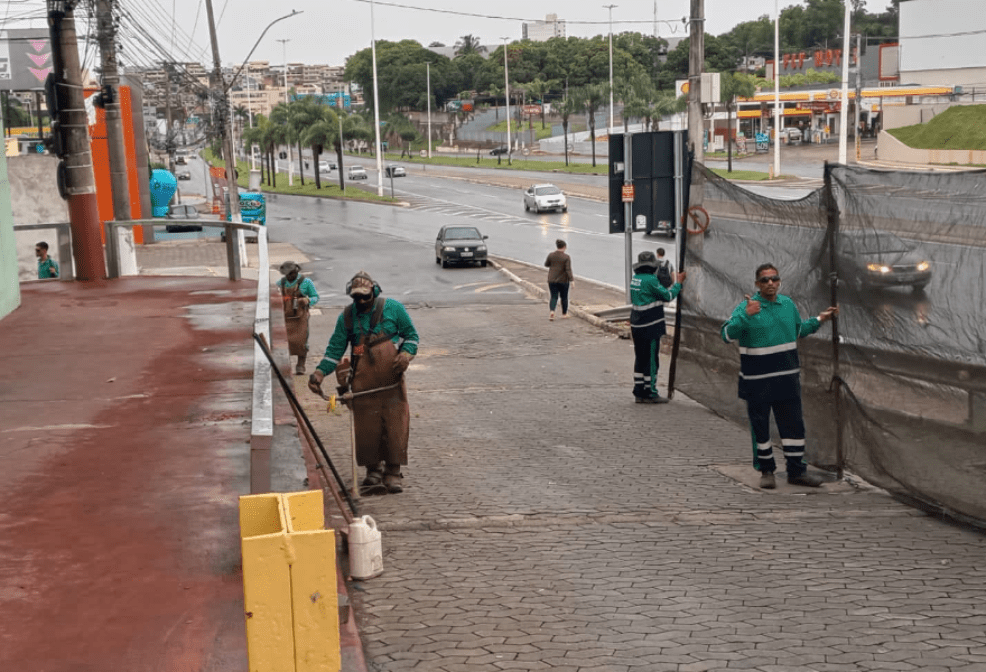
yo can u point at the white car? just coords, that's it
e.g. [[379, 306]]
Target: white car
[[357, 173], [541, 197], [326, 166]]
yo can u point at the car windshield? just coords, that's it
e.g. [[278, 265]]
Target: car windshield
[[462, 233], [356, 168], [547, 191], [875, 242]]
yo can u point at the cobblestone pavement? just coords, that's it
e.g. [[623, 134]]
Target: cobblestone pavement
[[548, 523]]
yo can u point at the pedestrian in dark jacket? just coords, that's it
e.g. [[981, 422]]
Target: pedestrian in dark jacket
[[559, 278]]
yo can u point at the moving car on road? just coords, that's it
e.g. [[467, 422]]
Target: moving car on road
[[184, 211], [540, 197], [869, 259], [395, 171], [496, 151], [184, 175], [357, 173], [458, 244], [326, 166]]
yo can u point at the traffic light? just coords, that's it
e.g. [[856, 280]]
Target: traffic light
[[55, 143]]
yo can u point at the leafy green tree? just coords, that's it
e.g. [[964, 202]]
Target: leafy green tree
[[733, 86], [469, 67], [592, 97], [665, 104], [537, 90], [402, 79]]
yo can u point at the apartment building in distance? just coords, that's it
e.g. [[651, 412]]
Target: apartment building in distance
[[542, 31]]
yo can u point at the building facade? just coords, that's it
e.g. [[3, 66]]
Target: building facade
[[542, 31]]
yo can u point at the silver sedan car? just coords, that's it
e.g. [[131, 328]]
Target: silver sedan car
[[541, 197]]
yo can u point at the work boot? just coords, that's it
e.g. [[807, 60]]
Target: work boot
[[767, 481], [300, 368], [393, 483], [805, 479], [373, 477], [656, 399]]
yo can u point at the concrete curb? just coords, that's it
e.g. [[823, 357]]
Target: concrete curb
[[531, 288]]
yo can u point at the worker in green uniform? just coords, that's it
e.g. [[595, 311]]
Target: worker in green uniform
[[383, 342], [648, 296], [767, 327]]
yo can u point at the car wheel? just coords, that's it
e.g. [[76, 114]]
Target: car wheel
[[537, 210], [565, 209], [919, 287], [438, 260], [483, 263], [444, 263], [527, 208]]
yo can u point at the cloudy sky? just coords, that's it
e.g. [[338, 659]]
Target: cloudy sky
[[331, 30]]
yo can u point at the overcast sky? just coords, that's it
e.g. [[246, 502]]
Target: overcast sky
[[331, 30]]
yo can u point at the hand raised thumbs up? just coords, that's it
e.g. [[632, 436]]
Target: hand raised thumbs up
[[752, 307]]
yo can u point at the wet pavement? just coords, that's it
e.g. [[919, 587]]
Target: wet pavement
[[547, 523]]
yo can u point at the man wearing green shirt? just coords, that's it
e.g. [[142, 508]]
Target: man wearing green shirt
[[383, 342], [648, 296], [298, 295], [767, 327], [47, 267]]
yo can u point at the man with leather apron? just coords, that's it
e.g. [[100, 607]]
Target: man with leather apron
[[383, 341], [298, 295]]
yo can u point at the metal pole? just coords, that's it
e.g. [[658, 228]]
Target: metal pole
[[506, 84], [628, 209], [859, 95], [833, 238], [610, 8], [114, 133], [696, 63], [844, 111], [428, 71], [376, 104], [287, 101], [777, 90], [234, 244]]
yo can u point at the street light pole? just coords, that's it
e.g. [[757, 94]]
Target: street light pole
[[844, 111], [376, 103], [284, 46], [777, 90], [428, 73], [610, 8], [506, 85]]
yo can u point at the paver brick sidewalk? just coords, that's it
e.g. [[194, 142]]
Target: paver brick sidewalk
[[549, 523]]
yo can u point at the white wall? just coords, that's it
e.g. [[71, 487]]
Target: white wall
[[957, 27]]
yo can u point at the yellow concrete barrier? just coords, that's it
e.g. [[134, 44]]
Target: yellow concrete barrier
[[289, 583]]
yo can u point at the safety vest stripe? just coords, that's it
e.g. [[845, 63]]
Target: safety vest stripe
[[769, 350], [776, 374]]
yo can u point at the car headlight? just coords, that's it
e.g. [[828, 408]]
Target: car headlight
[[481, 248], [878, 268], [448, 249], [924, 266]]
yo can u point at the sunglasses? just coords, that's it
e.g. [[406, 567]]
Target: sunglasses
[[769, 278]]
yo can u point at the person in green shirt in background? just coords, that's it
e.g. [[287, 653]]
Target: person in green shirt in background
[[648, 296], [298, 295], [47, 267]]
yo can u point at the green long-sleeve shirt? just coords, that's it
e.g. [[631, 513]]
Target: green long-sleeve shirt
[[305, 286], [394, 320]]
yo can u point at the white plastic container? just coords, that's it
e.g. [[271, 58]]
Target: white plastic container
[[365, 549]]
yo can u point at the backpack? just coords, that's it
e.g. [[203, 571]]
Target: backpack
[[664, 274]]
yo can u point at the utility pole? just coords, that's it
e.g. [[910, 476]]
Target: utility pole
[[79, 179], [234, 244], [859, 95], [287, 101], [114, 128], [844, 107], [696, 59]]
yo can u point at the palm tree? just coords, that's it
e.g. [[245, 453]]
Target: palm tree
[[280, 133], [319, 135], [570, 104], [592, 97], [302, 113], [734, 85], [537, 89], [666, 103], [467, 44]]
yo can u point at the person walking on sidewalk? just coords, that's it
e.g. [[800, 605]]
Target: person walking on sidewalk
[[559, 278], [647, 326], [767, 327], [298, 295], [384, 341], [665, 269], [47, 267]]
